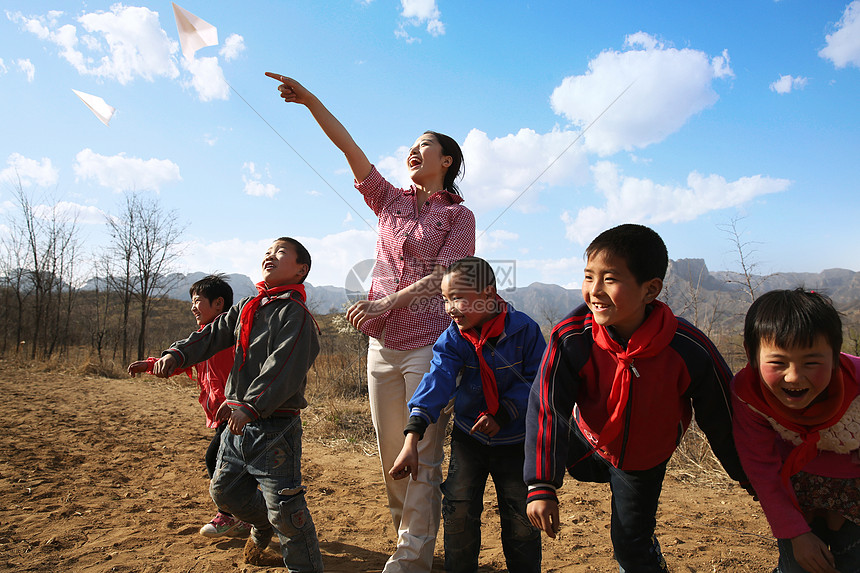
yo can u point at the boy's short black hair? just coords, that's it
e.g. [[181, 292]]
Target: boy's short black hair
[[303, 257], [641, 248], [211, 287], [477, 272], [791, 319]]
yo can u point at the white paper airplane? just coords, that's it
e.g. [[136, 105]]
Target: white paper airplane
[[194, 32], [97, 105]]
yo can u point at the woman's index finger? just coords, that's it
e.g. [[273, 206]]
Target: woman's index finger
[[275, 76]]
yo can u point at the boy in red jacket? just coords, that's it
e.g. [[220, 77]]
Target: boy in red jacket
[[210, 296], [630, 373]]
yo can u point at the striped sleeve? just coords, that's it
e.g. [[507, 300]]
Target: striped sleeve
[[550, 408]]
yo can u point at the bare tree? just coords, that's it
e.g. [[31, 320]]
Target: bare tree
[[144, 242], [749, 281], [43, 244], [118, 264]]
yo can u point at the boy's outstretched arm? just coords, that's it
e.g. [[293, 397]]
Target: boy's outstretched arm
[[140, 367], [543, 513], [164, 366], [407, 461], [294, 92]]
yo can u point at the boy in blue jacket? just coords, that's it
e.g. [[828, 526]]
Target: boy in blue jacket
[[487, 360]]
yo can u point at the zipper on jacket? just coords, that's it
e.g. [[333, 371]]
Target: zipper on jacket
[[627, 417]]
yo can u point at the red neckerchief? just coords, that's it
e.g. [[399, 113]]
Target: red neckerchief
[[490, 329], [807, 422], [648, 340], [246, 319]]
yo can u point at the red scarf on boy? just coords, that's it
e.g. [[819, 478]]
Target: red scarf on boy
[[490, 329], [648, 340], [827, 409], [246, 319]]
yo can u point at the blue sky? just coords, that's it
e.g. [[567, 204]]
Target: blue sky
[[736, 110]]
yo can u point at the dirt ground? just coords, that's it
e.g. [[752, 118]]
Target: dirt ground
[[101, 475]]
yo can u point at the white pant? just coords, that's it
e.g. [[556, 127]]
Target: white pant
[[416, 506]]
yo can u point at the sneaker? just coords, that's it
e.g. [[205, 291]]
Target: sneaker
[[241, 530], [222, 525]]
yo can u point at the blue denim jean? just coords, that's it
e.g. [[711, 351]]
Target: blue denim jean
[[844, 544], [463, 500], [268, 454], [635, 495]]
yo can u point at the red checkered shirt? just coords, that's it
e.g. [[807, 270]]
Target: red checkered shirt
[[408, 246]]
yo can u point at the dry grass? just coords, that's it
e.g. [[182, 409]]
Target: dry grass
[[339, 414], [694, 462]]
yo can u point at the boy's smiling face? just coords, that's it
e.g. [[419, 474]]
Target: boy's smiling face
[[467, 307], [796, 376], [205, 311], [613, 294], [280, 266]]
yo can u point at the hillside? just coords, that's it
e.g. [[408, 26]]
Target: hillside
[[691, 289]]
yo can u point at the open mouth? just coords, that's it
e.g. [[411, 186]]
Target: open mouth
[[795, 393]]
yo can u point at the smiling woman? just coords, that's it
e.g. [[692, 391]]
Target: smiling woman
[[421, 231]]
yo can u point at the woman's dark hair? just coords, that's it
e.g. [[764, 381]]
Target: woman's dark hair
[[451, 149], [791, 319]]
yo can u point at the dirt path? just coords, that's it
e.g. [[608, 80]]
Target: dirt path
[[101, 475]]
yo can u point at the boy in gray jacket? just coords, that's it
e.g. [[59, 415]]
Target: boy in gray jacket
[[276, 344]]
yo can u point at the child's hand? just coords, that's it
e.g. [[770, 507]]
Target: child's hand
[[164, 366], [291, 90], [543, 514], [237, 421], [812, 554], [407, 461], [138, 367], [223, 412], [486, 424]]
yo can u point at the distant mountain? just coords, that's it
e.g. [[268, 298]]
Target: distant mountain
[[321, 300], [690, 289]]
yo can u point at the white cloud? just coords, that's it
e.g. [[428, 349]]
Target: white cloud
[[348, 219], [785, 84], [510, 170], [28, 68], [254, 185], [124, 43], [843, 45], [493, 240], [64, 210], [233, 46], [633, 200], [566, 271], [207, 78], [332, 256], [499, 171], [29, 172], [419, 13], [3, 68], [120, 173], [670, 86]]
